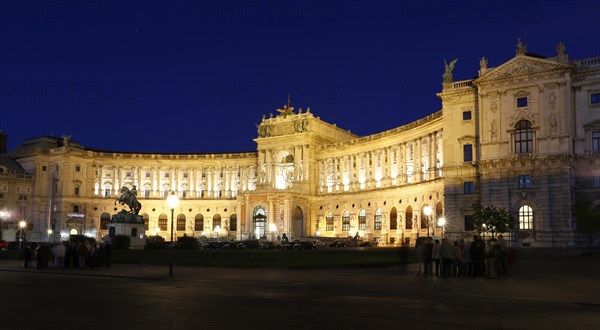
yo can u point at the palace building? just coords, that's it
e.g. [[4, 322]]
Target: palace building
[[524, 135]]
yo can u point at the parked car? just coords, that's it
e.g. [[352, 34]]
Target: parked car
[[337, 244]]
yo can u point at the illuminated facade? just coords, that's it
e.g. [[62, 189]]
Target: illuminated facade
[[524, 135]]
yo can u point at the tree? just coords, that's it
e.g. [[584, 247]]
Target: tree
[[492, 219], [587, 219]]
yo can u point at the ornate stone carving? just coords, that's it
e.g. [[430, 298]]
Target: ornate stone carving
[[520, 67]]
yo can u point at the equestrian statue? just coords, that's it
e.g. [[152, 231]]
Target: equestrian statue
[[128, 197]]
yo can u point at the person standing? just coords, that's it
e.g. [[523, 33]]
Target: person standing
[[427, 256], [27, 253], [477, 256], [447, 253], [503, 262], [436, 257], [59, 252]]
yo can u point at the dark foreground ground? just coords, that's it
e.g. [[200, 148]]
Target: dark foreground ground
[[545, 289]]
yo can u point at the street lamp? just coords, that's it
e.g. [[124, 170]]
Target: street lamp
[[22, 225], [442, 223], [50, 235], [428, 211], [272, 229], [172, 202]]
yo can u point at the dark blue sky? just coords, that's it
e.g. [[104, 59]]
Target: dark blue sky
[[196, 76]]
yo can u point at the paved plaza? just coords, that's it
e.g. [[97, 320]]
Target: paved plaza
[[545, 289]]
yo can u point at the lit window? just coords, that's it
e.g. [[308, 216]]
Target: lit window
[[469, 187], [526, 217], [162, 222], [466, 115], [362, 220], [521, 102], [523, 137], [377, 219], [181, 222], [345, 221], [524, 182], [329, 221], [468, 152], [595, 98]]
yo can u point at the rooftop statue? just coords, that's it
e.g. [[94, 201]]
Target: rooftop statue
[[448, 71], [287, 109], [128, 197]]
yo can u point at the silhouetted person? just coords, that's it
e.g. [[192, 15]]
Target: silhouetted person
[[27, 254]]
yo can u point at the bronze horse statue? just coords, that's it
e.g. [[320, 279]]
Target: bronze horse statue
[[128, 198]]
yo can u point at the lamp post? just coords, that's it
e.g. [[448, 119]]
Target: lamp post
[[22, 225], [427, 211], [172, 202], [442, 223]]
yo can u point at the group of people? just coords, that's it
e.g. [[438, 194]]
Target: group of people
[[83, 255], [477, 258]]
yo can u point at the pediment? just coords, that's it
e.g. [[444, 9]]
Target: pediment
[[522, 66]]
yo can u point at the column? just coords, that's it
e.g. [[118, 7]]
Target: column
[[115, 181], [433, 151]]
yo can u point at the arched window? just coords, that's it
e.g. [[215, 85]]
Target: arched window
[[146, 219], [377, 220], [162, 222], [233, 222], [409, 217], [259, 221], [393, 219], [523, 137], [329, 221], [104, 221], [362, 220], [181, 222], [199, 222], [526, 217], [217, 221]]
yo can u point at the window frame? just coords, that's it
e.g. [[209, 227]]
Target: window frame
[[525, 216], [524, 181], [469, 187]]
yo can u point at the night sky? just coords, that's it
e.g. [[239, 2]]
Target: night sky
[[197, 76]]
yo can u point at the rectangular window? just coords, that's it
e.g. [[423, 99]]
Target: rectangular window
[[345, 223], [185, 175], [596, 142], [362, 222], [165, 193], [77, 168], [469, 187], [76, 208], [128, 174], [596, 181], [147, 174], [44, 168], [167, 174], [76, 191], [466, 115], [521, 102], [107, 192], [468, 152], [469, 223], [162, 224], [378, 222], [22, 197], [595, 98], [524, 182], [147, 193], [133, 232], [180, 224]]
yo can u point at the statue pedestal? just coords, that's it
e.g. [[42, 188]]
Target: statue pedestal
[[132, 225]]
